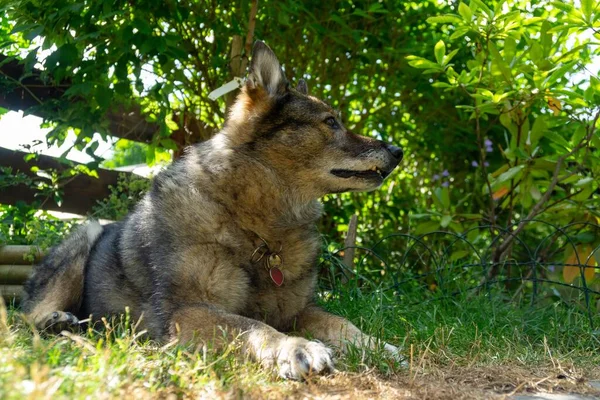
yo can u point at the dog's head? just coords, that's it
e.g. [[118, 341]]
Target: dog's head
[[301, 138]]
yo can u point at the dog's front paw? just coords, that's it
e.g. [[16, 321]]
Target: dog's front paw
[[58, 321], [297, 358], [395, 353]]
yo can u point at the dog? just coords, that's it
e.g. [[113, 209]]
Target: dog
[[226, 237]]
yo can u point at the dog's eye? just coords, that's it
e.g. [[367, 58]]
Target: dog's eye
[[333, 124]]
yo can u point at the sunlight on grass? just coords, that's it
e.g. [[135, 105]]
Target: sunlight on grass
[[439, 338]]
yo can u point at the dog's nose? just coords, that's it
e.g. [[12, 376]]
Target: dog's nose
[[395, 151]]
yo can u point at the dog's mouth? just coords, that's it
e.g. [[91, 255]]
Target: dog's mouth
[[374, 173]]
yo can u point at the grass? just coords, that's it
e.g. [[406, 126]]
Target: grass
[[465, 347]]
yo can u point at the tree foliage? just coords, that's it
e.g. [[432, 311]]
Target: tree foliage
[[495, 103], [534, 104]]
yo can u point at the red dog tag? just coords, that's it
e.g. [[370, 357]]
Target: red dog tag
[[276, 276]]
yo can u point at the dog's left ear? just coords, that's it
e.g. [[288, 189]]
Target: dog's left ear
[[302, 86], [265, 70]]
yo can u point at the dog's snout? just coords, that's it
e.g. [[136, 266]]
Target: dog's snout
[[395, 151]]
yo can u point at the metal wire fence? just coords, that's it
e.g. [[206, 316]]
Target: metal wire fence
[[543, 263]]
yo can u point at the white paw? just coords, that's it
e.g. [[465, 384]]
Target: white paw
[[298, 358], [396, 354]]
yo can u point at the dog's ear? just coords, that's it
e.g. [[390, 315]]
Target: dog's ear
[[265, 70], [302, 86]]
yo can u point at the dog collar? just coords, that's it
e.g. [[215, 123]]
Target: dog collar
[[274, 261]]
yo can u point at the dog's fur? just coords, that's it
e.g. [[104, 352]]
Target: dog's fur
[[184, 258]]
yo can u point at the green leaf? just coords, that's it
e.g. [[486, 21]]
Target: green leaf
[[537, 131], [584, 182], [457, 255], [445, 19], [103, 97], [510, 49], [570, 179], [465, 12], [556, 138], [377, 8], [536, 53], [535, 193], [21, 28], [507, 122], [67, 54], [169, 144], [584, 194], [546, 38], [443, 196], [420, 216], [473, 234], [446, 219], [587, 6], [500, 63], [32, 34], [595, 83], [30, 60], [470, 216], [559, 72], [449, 57], [446, 197], [426, 227], [562, 6], [122, 88], [91, 149], [585, 237], [510, 174], [579, 134], [439, 50], [359, 12], [422, 63], [459, 32], [480, 4], [79, 89]]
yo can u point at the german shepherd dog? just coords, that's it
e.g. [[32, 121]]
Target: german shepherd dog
[[226, 238]]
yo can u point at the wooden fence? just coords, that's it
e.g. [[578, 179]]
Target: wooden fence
[[16, 264], [80, 193]]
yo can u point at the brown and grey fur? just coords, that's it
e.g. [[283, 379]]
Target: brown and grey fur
[[182, 259]]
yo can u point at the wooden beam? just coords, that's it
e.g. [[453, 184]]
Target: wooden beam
[[79, 195], [27, 93], [12, 293], [19, 254], [28, 90], [15, 274]]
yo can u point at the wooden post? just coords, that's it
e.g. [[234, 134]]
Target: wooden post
[[238, 61], [349, 244], [237, 66]]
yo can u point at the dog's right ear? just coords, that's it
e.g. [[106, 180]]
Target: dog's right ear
[[265, 71]]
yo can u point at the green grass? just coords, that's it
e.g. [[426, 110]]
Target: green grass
[[465, 333]]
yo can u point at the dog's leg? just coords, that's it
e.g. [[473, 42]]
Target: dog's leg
[[56, 286], [293, 357], [337, 331]]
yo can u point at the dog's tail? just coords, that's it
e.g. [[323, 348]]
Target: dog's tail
[[55, 290]]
